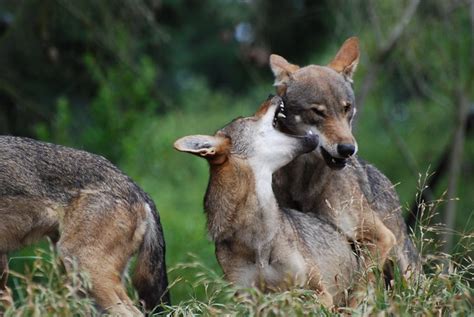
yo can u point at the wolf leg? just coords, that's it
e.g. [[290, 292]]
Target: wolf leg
[[100, 236], [237, 269], [377, 239], [315, 283], [105, 278], [109, 292]]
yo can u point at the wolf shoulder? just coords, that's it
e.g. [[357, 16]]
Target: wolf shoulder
[[377, 188]]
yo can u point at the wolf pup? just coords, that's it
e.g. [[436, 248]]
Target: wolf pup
[[97, 215], [258, 244], [358, 199]]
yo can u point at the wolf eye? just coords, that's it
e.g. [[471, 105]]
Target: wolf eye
[[319, 110], [347, 107]]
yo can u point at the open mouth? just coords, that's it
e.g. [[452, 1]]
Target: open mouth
[[310, 140], [279, 113], [280, 123], [331, 161], [280, 120]]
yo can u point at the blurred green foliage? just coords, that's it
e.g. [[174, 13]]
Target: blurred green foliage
[[125, 79], [122, 100]]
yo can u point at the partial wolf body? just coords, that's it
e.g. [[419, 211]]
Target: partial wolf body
[[97, 215], [258, 244], [331, 181]]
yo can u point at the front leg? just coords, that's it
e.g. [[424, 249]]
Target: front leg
[[376, 238], [315, 283], [239, 268]]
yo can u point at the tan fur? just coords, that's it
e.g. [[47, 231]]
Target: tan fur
[[120, 236], [338, 131], [347, 57]]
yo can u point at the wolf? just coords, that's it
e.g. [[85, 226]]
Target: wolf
[[331, 180], [259, 244], [97, 216]]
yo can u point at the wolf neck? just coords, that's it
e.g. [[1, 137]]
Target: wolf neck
[[241, 205], [321, 168], [308, 184], [263, 190]]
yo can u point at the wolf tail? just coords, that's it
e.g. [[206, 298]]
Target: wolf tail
[[150, 278]]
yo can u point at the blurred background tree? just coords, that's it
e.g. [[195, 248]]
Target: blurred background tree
[[125, 78]]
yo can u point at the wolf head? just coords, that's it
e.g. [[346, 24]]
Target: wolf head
[[254, 140], [321, 99]]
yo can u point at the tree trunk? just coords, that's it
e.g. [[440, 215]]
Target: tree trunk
[[454, 168]]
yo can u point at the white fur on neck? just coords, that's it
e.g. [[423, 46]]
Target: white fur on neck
[[263, 188], [268, 208]]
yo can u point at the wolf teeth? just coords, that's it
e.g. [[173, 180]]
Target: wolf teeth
[[281, 115]]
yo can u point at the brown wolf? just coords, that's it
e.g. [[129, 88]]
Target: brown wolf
[[331, 181], [97, 215], [258, 243]]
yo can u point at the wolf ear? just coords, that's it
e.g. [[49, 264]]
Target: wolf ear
[[209, 147], [347, 58], [282, 71]]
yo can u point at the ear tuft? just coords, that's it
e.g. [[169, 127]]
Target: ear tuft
[[202, 145], [347, 58], [282, 70]]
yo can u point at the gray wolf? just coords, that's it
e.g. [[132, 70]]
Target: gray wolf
[[331, 181], [259, 244], [97, 216]]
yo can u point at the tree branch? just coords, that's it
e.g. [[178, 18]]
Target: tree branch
[[384, 51]]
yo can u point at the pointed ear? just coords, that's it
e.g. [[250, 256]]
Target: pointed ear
[[205, 146], [347, 58], [282, 70]]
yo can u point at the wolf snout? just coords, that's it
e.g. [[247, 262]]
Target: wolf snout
[[346, 150]]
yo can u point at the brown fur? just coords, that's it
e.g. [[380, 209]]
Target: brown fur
[[97, 215], [257, 243], [351, 194]]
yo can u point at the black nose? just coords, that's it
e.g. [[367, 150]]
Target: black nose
[[346, 150]]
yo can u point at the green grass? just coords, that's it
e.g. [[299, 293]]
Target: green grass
[[442, 290], [177, 183], [44, 289]]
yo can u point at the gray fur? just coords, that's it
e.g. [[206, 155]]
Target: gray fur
[[318, 182]]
